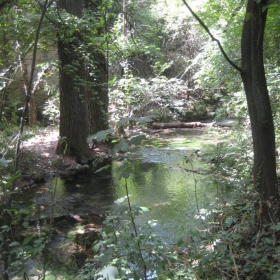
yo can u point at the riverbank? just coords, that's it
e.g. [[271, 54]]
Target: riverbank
[[39, 161]]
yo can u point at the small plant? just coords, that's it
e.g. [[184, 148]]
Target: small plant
[[125, 140], [63, 144], [131, 251], [15, 250]]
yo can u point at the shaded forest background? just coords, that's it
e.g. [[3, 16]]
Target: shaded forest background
[[86, 66]]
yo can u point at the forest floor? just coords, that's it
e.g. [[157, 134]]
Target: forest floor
[[39, 161]]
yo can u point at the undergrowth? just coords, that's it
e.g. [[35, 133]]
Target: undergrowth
[[233, 245]]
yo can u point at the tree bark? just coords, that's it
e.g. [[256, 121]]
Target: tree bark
[[254, 80], [73, 108], [98, 94]]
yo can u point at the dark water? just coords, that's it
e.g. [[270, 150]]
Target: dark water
[[159, 176]]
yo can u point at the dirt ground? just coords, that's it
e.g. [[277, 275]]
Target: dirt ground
[[39, 161]]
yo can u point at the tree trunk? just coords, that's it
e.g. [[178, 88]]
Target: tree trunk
[[32, 111], [98, 94], [73, 109], [253, 77]]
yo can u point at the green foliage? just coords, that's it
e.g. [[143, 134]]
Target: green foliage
[[134, 256], [4, 162], [51, 110], [137, 36], [223, 250], [165, 99], [177, 65], [100, 136], [125, 141], [233, 247], [14, 250], [234, 244], [232, 160]]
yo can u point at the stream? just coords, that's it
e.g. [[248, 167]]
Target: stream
[[161, 178]]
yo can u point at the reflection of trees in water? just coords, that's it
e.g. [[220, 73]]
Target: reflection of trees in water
[[165, 187], [89, 183], [142, 178], [146, 174]]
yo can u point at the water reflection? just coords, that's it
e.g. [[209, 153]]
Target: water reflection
[[157, 180], [173, 195]]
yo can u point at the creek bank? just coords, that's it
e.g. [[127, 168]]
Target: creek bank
[[156, 181], [39, 161], [66, 243], [65, 231]]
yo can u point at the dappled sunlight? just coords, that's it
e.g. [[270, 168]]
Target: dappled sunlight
[[46, 136]]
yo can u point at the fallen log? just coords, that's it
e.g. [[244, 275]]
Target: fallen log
[[180, 125]]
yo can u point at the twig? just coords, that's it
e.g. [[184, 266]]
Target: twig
[[213, 39], [233, 259], [135, 231]]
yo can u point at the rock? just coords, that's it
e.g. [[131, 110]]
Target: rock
[[80, 167], [39, 177]]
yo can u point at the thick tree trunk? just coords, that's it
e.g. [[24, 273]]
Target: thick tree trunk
[[98, 94], [253, 77], [73, 108]]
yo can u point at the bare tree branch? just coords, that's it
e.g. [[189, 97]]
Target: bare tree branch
[[213, 38]]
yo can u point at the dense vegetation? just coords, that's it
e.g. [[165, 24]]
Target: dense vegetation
[[97, 68]]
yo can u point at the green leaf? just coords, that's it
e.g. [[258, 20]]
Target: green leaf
[[27, 240], [25, 224], [125, 172], [14, 244], [144, 209], [123, 121], [100, 136], [102, 168], [96, 247], [264, 8], [122, 209], [5, 227], [137, 140], [276, 276], [120, 200], [277, 226], [4, 162], [122, 146]]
